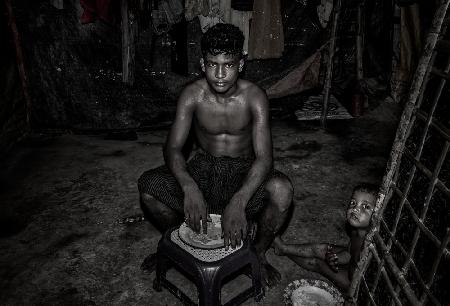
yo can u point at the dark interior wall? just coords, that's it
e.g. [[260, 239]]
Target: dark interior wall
[[74, 70], [12, 102]]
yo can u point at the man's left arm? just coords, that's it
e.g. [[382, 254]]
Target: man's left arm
[[262, 146], [234, 215]]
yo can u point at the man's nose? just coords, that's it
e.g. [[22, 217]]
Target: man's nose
[[220, 72]]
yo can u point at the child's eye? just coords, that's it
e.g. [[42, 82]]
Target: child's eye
[[352, 203]]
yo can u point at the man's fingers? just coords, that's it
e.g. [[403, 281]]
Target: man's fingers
[[226, 237], [233, 239], [244, 233], [204, 223], [238, 238], [197, 222], [187, 219]]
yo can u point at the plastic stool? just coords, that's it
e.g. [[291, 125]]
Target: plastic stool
[[207, 276]]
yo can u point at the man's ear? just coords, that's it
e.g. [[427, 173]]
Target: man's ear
[[202, 64], [241, 64]]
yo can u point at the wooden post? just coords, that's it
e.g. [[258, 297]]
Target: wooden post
[[19, 58], [329, 75], [129, 35], [360, 42]]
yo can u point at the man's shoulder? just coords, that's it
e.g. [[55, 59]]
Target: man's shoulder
[[248, 85], [252, 92], [193, 92], [196, 86]]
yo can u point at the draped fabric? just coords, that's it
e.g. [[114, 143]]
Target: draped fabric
[[241, 19], [193, 8], [219, 12], [266, 30], [242, 5], [106, 10], [219, 178]]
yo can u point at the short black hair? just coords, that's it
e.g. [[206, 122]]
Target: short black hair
[[368, 188], [223, 38]]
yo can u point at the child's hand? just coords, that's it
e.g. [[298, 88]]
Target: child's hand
[[331, 259]]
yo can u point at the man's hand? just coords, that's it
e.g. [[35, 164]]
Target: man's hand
[[332, 259], [234, 222], [195, 209]]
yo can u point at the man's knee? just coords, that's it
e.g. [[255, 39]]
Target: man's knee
[[146, 198], [280, 191]]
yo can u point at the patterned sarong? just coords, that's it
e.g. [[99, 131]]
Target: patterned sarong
[[218, 178]]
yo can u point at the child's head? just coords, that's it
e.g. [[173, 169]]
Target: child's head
[[223, 38], [362, 204]]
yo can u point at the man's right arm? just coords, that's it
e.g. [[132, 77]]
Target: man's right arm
[[194, 203], [176, 139]]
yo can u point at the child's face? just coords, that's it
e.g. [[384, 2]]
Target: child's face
[[222, 71], [360, 209]]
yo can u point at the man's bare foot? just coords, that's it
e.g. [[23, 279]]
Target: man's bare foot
[[149, 263], [278, 246], [270, 276]]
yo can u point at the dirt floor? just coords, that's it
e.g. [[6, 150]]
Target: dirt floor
[[61, 197]]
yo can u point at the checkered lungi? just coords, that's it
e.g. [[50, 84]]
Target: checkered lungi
[[218, 178]]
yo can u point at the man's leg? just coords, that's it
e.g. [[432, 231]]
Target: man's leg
[[159, 214], [279, 192], [162, 217]]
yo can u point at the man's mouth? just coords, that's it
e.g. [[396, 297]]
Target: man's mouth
[[220, 84]]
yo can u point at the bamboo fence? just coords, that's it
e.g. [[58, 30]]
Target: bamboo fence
[[406, 258]]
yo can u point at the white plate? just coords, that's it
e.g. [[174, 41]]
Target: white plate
[[212, 240], [311, 292]]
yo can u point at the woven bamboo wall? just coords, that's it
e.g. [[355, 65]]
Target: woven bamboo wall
[[406, 260]]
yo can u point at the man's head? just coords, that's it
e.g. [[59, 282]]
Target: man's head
[[362, 204], [223, 38], [222, 57]]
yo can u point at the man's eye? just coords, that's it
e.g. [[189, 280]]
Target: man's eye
[[211, 64], [229, 65]]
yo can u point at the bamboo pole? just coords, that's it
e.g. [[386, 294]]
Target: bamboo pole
[[436, 262], [425, 287], [129, 36], [385, 276], [329, 74], [20, 60], [360, 41], [399, 274], [421, 167]]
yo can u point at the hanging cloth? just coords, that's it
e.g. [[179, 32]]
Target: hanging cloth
[[194, 8], [266, 31], [241, 19], [242, 5], [219, 12], [105, 10]]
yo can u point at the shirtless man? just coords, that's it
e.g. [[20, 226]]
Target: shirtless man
[[232, 172]]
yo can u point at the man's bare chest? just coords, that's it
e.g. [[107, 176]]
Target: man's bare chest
[[233, 118]]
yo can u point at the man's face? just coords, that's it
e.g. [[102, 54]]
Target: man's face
[[360, 209], [222, 71]]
